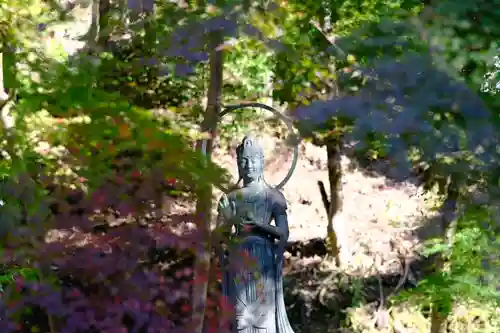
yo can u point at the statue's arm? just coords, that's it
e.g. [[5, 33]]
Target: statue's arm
[[270, 229], [281, 220], [282, 226]]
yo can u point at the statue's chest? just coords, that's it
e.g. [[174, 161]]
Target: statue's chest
[[251, 205]]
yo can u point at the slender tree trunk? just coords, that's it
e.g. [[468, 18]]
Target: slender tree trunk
[[4, 99], [93, 32], [3, 94], [105, 10], [204, 203], [333, 150], [7, 89], [149, 26]]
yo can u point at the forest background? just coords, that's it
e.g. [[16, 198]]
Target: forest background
[[108, 192]]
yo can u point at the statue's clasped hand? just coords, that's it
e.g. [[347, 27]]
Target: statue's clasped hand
[[249, 226]]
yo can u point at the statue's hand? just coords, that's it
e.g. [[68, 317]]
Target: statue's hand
[[248, 226], [227, 208]]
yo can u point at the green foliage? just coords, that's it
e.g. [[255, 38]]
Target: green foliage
[[472, 264], [311, 27], [470, 45], [146, 80], [77, 117], [248, 66], [8, 275]]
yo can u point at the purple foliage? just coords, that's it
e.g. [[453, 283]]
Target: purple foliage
[[150, 61], [42, 26], [189, 42], [134, 5], [148, 5], [183, 70], [141, 6], [400, 101], [110, 281]]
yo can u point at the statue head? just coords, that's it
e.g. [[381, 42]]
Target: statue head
[[250, 157]]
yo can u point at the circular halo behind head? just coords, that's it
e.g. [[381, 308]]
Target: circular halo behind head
[[286, 120]]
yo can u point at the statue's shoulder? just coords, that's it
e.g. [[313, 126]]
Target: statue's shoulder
[[276, 197]]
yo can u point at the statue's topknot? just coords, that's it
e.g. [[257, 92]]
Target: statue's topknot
[[249, 146]]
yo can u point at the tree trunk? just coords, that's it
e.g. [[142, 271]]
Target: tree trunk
[[149, 26], [204, 203], [104, 16], [7, 88], [4, 101], [333, 150], [92, 34], [3, 94]]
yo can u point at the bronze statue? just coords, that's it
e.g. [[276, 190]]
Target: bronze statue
[[255, 291]]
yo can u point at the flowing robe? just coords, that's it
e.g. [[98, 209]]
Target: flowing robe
[[252, 273]]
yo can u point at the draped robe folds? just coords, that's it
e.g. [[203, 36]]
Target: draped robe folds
[[252, 269]]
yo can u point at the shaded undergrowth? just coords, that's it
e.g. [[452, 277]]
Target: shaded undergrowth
[[323, 298]]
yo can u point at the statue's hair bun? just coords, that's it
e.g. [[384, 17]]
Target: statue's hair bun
[[250, 146]]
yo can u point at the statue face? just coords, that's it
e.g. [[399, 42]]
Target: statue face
[[250, 167]]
